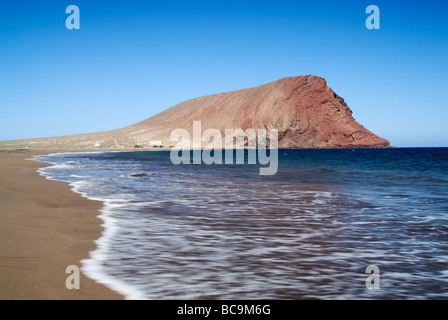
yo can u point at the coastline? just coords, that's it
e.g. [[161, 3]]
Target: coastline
[[44, 227]]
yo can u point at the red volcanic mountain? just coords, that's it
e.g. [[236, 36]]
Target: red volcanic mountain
[[304, 110]]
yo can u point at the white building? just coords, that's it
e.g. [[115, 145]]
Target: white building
[[156, 143]]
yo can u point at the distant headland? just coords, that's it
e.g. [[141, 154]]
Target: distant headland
[[304, 110]]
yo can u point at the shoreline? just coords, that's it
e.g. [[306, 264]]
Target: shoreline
[[44, 227]]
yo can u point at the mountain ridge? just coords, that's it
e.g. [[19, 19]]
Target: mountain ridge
[[304, 110]]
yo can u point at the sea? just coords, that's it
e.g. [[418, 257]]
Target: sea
[[330, 224]]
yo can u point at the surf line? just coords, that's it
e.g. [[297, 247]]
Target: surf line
[[208, 147]]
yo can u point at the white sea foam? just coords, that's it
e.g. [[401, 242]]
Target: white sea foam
[[92, 267], [192, 233], [78, 176]]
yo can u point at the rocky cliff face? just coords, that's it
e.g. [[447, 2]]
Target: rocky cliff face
[[306, 113]]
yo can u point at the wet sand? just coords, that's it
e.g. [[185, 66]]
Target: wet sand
[[44, 227]]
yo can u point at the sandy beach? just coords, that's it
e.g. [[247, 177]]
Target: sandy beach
[[44, 227]]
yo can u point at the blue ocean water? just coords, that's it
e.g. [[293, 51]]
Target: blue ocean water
[[307, 232]]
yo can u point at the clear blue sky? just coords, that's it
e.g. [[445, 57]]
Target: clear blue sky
[[133, 59]]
